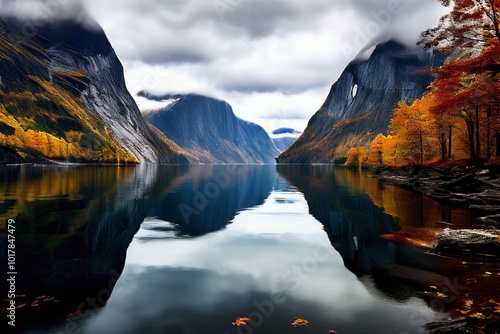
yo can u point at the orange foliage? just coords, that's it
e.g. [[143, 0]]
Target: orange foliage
[[412, 134], [468, 86], [376, 155], [356, 157]]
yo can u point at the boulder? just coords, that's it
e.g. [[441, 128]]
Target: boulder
[[476, 243]]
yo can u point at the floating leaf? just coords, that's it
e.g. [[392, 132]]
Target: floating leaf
[[298, 322], [241, 321], [441, 295], [488, 273], [433, 287], [331, 331]]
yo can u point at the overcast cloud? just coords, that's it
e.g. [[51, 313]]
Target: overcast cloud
[[273, 60]]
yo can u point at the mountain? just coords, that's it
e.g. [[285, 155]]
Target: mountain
[[361, 103], [283, 138], [209, 132], [63, 96]]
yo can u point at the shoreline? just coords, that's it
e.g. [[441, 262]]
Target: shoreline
[[475, 188], [470, 187]]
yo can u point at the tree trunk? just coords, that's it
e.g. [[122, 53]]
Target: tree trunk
[[470, 134], [488, 134], [449, 142], [478, 141], [442, 141], [421, 148], [443, 147]]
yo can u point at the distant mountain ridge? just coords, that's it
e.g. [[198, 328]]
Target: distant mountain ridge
[[283, 138], [361, 103], [63, 96], [209, 132]]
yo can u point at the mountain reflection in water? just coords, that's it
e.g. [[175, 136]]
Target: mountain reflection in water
[[201, 245]]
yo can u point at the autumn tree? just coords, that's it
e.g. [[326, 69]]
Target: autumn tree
[[376, 155], [413, 128], [356, 157], [468, 84], [469, 26]]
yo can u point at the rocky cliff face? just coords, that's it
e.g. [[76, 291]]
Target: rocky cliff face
[[361, 103], [63, 96], [209, 132]]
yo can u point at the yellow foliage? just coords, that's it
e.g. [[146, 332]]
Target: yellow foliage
[[34, 138], [376, 154], [356, 157]]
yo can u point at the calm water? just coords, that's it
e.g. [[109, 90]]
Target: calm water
[[193, 248]]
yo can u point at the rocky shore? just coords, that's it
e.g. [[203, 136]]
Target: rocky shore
[[471, 187], [475, 187]]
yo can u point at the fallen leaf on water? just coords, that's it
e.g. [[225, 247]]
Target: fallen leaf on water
[[331, 331], [433, 287], [488, 273], [298, 322], [441, 295], [241, 321]]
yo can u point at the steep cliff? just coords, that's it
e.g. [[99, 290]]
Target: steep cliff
[[361, 103], [63, 96], [209, 132]]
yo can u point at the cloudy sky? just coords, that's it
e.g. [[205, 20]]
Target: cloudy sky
[[273, 60]]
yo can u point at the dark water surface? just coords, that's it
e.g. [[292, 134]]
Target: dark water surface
[[193, 248]]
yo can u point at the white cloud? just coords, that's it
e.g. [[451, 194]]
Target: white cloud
[[265, 57]]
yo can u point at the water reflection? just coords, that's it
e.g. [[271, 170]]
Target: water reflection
[[357, 211], [73, 227], [272, 263], [202, 244], [207, 198]]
